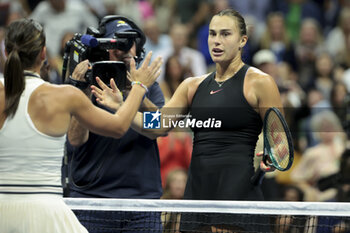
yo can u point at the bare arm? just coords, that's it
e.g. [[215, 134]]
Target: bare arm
[[262, 93], [177, 105], [100, 121]]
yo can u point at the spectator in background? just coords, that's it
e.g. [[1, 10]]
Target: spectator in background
[[291, 93], [191, 59], [175, 184], [163, 10], [10, 11], [314, 103], [321, 160], [110, 6], [323, 76], [266, 60], [336, 39], [29, 5], [174, 189], [60, 16], [342, 73], [156, 40], [174, 75], [257, 9], [192, 14], [330, 11], [277, 40], [308, 45], [292, 193], [343, 185], [175, 152], [295, 11], [137, 10], [96, 7], [343, 58], [15, 11], [56, 63], [339, 99], [256, 12]]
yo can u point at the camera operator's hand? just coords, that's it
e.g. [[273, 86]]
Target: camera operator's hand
[[147, 73], [80, 70], [108, 97]]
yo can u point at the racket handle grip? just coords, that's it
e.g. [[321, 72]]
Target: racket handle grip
[[257, 177]]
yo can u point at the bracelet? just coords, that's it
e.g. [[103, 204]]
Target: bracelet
[[79, 84], [139, 83]]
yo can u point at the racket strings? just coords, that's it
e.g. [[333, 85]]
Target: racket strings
[[278, 141]]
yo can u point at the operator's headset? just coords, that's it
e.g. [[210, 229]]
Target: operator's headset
[[140, 40]]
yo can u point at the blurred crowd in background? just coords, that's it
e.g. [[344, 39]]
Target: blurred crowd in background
[[303, 44]]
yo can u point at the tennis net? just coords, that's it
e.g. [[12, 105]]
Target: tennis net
[[140, 215]]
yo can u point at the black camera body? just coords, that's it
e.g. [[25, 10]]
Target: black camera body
[[94, 47], [82, 47]]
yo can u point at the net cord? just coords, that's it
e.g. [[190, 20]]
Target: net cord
[[196, 206]]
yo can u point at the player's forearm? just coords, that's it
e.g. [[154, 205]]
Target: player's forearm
[[137, 125], [129, 109], [161, 122], [148, 105]]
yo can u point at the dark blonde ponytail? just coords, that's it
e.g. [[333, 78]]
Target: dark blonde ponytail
[[14, 82], [23, 42]]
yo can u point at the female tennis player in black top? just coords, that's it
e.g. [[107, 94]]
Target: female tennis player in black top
[[235, 94]]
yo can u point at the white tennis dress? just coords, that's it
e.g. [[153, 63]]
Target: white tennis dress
[[30, 175]]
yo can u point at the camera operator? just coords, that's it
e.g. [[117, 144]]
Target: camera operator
[[103, 167]]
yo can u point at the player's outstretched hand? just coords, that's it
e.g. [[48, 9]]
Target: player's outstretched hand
[[109, 97], [148, 72]]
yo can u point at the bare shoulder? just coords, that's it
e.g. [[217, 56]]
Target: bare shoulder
[[63, 94], [261, 90], [63, 89], [258, 78], [192, 84], [195, 80]]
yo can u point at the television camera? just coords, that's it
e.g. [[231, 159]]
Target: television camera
[[93, 47]]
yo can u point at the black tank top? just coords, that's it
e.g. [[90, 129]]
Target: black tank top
[[222, 158], [240, 123]]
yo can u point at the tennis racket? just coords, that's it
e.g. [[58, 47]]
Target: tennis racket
[[278, 145]]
